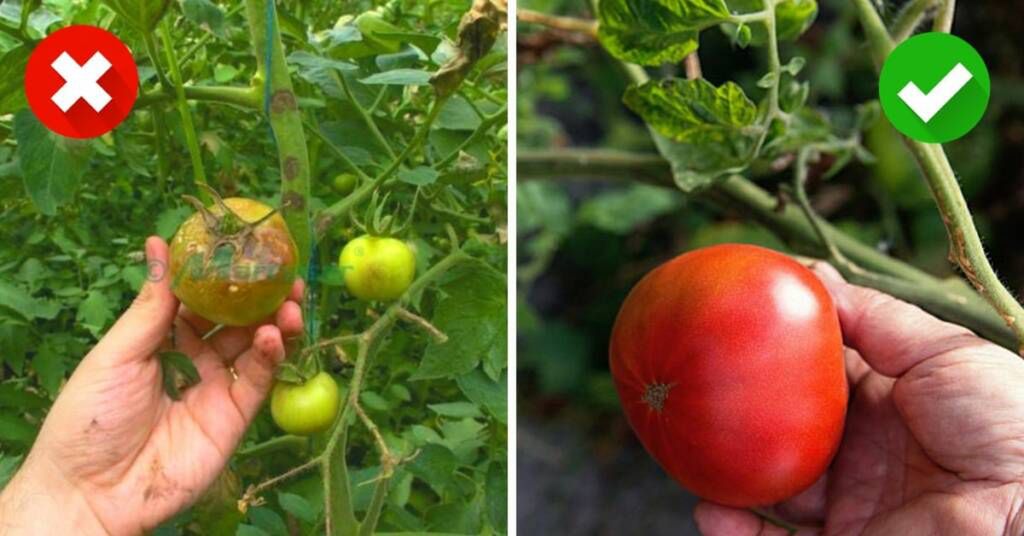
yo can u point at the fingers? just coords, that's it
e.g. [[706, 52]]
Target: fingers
[[255, 370], [717, 520], [232, 341], [144, 326], [891, 335]]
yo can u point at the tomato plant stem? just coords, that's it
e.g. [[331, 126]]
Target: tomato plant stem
[[946, 299], [285, 442], [340, 209], [910, 17], [286, 123], [191, 139], [966, 248], [944, 18], [568, 24]]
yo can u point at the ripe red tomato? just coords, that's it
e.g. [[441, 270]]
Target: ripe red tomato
[[728, 361]]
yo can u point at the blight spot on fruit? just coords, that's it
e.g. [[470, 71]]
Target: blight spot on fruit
[[655, 395]]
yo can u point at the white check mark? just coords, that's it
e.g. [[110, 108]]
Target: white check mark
[[926, 106]]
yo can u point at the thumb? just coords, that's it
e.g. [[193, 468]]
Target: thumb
[[893, 336], [142, 329]]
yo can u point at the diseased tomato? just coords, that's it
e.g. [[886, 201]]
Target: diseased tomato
[[377, 268], [728, 361], [307, 408], [228, 270]]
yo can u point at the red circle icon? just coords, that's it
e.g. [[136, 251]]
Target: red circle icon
[[81, 81]]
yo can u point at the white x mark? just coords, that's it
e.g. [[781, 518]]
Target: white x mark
[[80, 82]]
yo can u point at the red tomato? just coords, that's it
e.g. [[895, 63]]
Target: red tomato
[[728, 361]]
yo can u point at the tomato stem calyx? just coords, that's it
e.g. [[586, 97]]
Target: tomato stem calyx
[[655, 395]]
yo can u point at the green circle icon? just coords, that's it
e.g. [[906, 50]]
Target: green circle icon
[[934, 87]]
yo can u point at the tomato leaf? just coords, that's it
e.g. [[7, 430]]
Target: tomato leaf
[[652, 32], [622, 211], [496, 494], [481, 390], [179, 372], [206, 15], [435, 466], [297, 506], [702, 130], [693, 111], [399, 77], [21, 302], [12, 79], [418, 176], [95, 312], [267, 520], [142, 14], [13, 428], [473, 317], [51, 165]]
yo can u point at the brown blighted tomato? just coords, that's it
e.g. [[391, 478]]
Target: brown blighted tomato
[[728, 362], [229, 269]]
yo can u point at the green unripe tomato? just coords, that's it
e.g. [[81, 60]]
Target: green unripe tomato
[[377, 268], [308, 408], [344, 183]]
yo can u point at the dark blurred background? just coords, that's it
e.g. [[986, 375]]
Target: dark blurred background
[[583, 243]]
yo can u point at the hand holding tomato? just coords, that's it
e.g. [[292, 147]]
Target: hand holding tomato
[[116, 455], [934, 440]]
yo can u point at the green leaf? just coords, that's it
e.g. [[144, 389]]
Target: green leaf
[[20, 301], [621, 211], [496, 493], [179, 372], [398, 77], [249, 530], [8, 466], [419, 176], [51, 165], [170, 219], [12, 79], [297, 506], [50, 367], [652, 32], [457, 114], [474, 318], [455, 409], [142, 14], [693, 111], [14, 429], [95, 312], [435, 466], [713, 130], [206, 15], [13, 396], [483, 391], [268, 521]]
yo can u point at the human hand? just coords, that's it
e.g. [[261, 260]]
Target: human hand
[[934, 439], [117, 455]]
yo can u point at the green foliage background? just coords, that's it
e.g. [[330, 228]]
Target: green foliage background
[[74, 214]]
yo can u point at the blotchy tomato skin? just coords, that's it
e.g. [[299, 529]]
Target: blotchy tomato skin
[[259, 279], [747, 344]]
